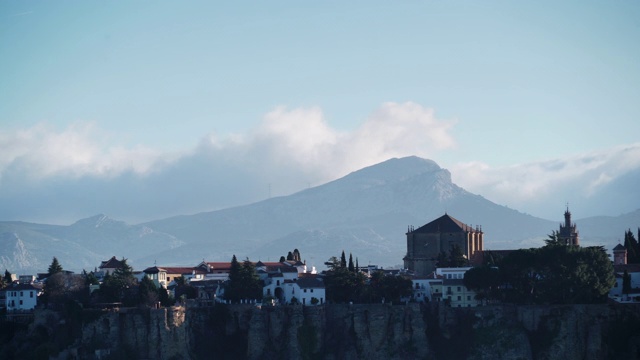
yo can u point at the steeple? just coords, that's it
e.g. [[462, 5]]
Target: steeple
[[568, 233]]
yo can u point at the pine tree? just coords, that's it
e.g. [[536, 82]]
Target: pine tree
[[343, 260], [55, 267]]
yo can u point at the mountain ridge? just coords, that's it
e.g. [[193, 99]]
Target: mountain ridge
[[365, 212]]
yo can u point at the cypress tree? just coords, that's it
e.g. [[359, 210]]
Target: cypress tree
[[351, 267]]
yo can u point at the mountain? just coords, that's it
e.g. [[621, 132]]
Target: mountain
[[366, 213]]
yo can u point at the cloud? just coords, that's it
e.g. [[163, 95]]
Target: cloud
[[79, 150], [47, 174], [300, 140], [532, 187], [83, 170]]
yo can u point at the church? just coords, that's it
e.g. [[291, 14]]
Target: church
[[425, 243]]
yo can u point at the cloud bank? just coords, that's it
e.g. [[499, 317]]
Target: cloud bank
[[593, 184], [59, 176]]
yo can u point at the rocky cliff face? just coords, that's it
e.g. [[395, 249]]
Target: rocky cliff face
[[379, 331]]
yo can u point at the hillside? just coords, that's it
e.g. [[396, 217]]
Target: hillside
[[366, 212]]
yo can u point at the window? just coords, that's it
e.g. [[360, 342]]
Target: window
[[21, 293], [468, 297], [278, 282], [311, 290], [20, 302], [31, 293], [458, 288], [305, 290], [459, 298]]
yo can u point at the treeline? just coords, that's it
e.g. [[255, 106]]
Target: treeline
[[344, 282], [120, 287], [553, 274]]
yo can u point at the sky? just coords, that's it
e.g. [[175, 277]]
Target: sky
[[143, 110]]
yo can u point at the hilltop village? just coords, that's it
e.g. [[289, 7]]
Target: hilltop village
[[445, 263]]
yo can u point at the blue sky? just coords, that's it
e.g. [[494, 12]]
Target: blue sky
[[95, 93]]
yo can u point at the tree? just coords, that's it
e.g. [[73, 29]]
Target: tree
[[250, 282], [633, 249], [55, 267], [351, 266], [442, 260], [344, 286], [553, 239], [243, 283], [484, 280], [114, 286], [557, 275], [90, 278], [289, 256], [7, 277], [343, 260], [282, 259], [456, 257], [626, 283], [147, 292], [332, 263], [61, 287], [296, 255]]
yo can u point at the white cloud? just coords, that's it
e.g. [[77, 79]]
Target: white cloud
[[302, 139], [82, 149], [534, 185]]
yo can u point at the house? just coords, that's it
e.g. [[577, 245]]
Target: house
[[425, 288], [311, 287], [453, 290], [19, 296], [425, 244], [620, 265], [163, 276], [109, 266]]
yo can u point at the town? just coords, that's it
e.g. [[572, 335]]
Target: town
[[445, 263]]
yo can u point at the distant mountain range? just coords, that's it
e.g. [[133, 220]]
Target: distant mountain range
[[365, 213]]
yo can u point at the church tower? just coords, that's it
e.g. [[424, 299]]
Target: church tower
[[568, 233], [425, 243]]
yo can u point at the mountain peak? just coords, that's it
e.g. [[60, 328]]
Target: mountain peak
[[97, 221], [396, 169]]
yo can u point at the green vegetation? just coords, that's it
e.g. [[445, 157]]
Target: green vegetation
[[243, 283], [345, 283], [632, 246], [553, 274]]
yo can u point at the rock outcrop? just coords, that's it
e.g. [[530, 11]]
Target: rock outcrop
[[342, 331]]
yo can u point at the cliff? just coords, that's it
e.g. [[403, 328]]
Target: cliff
[[375, 331]]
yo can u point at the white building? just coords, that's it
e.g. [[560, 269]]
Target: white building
[[21, 297]]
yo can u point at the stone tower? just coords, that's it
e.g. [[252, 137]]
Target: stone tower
[[568, 233], [619, 255]]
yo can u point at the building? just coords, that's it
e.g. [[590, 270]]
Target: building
[[453, 290], [568, 233], [20, 296], [109, 266], [427, 242], [620, 265], [163, 276]]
